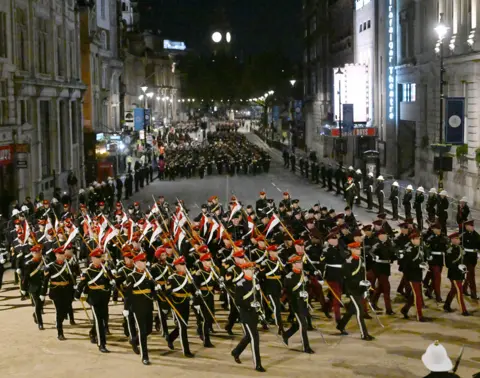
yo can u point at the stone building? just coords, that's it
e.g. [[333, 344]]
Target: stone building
[[40, 97]]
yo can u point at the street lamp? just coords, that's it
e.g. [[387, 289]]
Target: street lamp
[[144, 88], [441, 29], [340, 154], [228, 37], [216, 37], [292, 82]]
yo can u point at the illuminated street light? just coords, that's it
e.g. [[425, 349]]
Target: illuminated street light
[[216, 37], [178, 100], [140, 97], [150, 94], [144, 88], [441, 29], [271, 92], [158, 98], [228, 37], [293, 82]]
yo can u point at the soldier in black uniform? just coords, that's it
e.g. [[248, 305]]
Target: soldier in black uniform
[[442, 210], [140, 291], [75, 271], [350, 192], [33, 282], [369, 190], [417, 205], [407, 201], [128, 185], [380, 194], [292, 162], [330, 177], [394, 200], [96, 284], [247, 300], [456, 273], [437, 244], [471, 245], [60, 282], [295, 283], [180, 289], [206, 283], [356, 287], [261, 204], [431, 205], [160, 271]]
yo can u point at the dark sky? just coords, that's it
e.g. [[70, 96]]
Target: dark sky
[[257, 25]]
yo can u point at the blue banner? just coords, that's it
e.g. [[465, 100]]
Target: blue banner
[[138, 118], [276, 112], [347, 117], [455, 120]]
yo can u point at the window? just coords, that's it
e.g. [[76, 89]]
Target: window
[[24, 111], [104, 77], [45, 138], [3, 35], [124, 7], [361, 28], [42, 46], [368, 24], [102, 9], [3, 103], [21, 45], [60, 51], [409, 92], [364, 26]]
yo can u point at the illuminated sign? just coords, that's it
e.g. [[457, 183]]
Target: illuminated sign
[[353, 85], [391, 105], [172, 45]]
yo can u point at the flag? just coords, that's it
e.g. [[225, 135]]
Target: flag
[[112, 232], [148, 226], [157, 230], [213, 226], [235, 209], [26, 231], [250, 224], [220, 232], [71, 236], [274, 220], [179, 236]]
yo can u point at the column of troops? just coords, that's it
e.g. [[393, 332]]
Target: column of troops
[[265, 265]]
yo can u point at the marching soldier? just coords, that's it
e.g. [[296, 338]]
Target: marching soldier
[[33, 282], [350, 192], [456, 274], [295, 283], [261, 204], [59, 283], [96, 284], [179, 288], [437, 245], [161, 271], [471, 245], [140, 290], [356, 288], [249, 306]]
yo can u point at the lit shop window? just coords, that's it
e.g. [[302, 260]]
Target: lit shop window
[[409, 92]]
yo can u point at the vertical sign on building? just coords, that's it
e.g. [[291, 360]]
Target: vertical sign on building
[[391, 50]]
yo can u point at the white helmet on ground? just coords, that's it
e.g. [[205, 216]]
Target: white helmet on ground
[[436, 358]]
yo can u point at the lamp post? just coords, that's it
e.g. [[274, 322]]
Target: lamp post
[[292, 110], [441, 29], [340, 144], [145, 98]]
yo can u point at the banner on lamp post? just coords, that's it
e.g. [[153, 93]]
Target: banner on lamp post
[[138, 118], [455, 120]]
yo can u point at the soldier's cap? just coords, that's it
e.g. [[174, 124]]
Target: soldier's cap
[[118, 205], [238, 243], [128, 254], [42, 222], [297, 212], [204, 206], [45, 202], [101, 203], [294, 259], [270, 200], [61, 251], [381, 232], [16, 221], [415, 235], [206, 257], [299, 242], [159, 251], [50, 231], [367, 227], [377, 222], [141, 221], [311, 211], [179, 261], [68, 246], [272, 248], [97, 252], [382, 216], [239, 253], [248, 265], [140, 257], [324, 208], [83, 206], [331, 211], [281, 204], [347, 208], [260, 238], [203, 249], [436, 226], [403, 225], [350, 178], [36, 248], [131, 207], [357, 232], [212, 198], [340, 216], [470, 223], [455, 235], [355, 245], [65, 205], [126, 248], [136, 203], [262, 193], [316, 205], [233, 198], [160, 197], [119, 212], [286, 194]]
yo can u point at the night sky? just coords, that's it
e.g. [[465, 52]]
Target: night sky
[[257, 25]]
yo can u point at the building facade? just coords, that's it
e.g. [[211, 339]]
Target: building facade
[[40, 97]]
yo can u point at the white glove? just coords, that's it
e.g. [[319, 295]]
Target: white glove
[[365, 283], [2, 261], [23, 292], [198, 293], [303, 294], [158, 287], [321, 282], [125, 313], [114, 272], [18, 271], [197, 308], [42, 298], [257, 286], [113, 283], [148, 263], [222, 285], [317, 273], [221, 279], [75, 287], [365, 294]]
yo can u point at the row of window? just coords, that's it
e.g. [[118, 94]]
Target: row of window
[[366, 25], [64, 47]]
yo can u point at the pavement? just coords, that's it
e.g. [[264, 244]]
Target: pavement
[[396, 352]]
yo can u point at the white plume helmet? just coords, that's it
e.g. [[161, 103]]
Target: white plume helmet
[[420, 189], [359, 171], [395, 184], [15, 212], [436, 358], [464, 199], [444, 193], [380, 178], [370, 174], [433, 190], [409, 187]]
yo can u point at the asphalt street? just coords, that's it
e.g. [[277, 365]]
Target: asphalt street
[[396, 351]]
